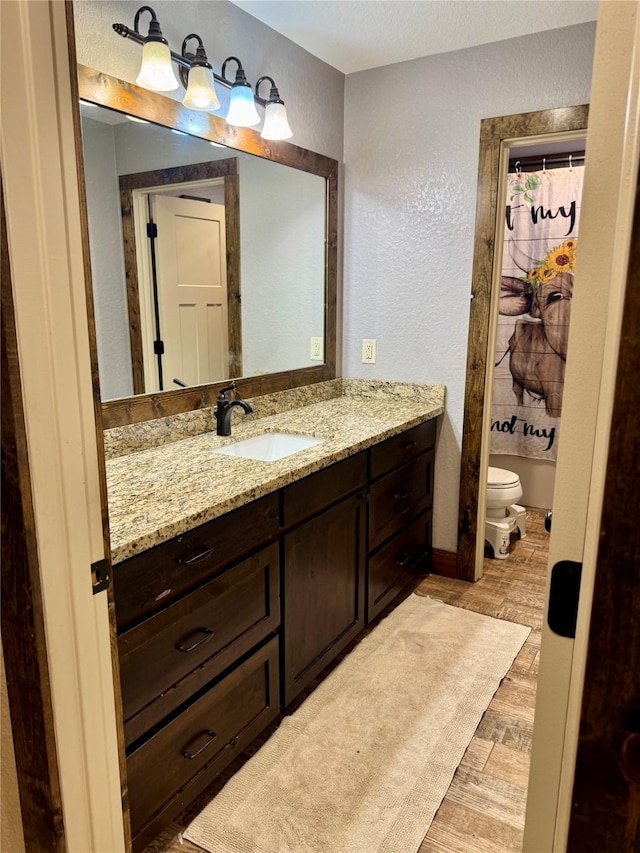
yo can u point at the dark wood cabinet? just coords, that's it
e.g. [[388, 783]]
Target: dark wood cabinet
[[400, 513], [221, 625], [177, 762], [392, 566], [199, 654], [152, 580], [168, 657], [324, 581]]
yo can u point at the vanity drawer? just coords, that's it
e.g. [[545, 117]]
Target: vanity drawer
[[390, 568], [309, 496], [400, 448], [397, 497], [150, 581], [192, 749], [171, 655]]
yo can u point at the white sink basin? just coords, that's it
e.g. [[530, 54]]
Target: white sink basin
[[269, 446]]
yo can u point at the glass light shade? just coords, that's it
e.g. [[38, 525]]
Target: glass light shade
[[156, 71], [276, 125], [242, 108], [201, 94]]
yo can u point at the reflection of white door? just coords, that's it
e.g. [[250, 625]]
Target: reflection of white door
[[192, 289]]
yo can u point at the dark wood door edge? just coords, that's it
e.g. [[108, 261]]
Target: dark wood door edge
[[606, 791], [23, 633]]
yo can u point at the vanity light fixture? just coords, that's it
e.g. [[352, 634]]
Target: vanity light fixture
[[276, 125], [242, 109], [200, 94], [198, 77], [156, 71]]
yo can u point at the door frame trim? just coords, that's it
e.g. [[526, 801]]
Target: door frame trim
[[495, 134]]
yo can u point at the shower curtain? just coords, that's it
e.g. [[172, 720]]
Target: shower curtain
[[539, 256]]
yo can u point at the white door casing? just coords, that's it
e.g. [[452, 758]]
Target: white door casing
[[611, 171], [40, 183]]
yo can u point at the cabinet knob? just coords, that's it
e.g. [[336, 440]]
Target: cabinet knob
[[408, 444], [403, 559]]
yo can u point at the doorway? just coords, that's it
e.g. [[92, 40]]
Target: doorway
[[497, 137]]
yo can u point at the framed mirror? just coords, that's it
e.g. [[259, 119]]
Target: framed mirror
[[497, 137], [213, 254]]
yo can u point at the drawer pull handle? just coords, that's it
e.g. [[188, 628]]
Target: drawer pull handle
[[182, 645], [408, 445], [403, 559], [403, 495], [211, 736], [204, 551]]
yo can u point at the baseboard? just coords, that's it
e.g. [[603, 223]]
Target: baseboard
[[445, 562]]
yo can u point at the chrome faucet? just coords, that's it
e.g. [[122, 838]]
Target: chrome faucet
[[224, 408]]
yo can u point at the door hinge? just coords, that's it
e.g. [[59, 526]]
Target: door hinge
[[564, 595], [152, 230], [158, 347], [100, 577]]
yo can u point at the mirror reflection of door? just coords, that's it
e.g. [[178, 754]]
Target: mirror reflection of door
[[191, 286], [181, 241]]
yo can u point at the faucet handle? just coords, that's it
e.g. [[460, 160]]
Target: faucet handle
[[222, 395]]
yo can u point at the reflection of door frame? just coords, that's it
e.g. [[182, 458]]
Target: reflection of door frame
[[226, 169], [494, 132], [147, 308]]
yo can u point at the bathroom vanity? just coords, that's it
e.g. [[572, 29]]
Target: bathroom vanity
[[226, 613]]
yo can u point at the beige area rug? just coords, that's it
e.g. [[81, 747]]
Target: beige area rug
[[363, 765]]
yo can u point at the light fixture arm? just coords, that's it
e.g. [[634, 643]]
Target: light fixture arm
[[154, 24], [274, 95]]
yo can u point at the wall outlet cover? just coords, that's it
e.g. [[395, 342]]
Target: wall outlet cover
[[316, 349], [368, 351]]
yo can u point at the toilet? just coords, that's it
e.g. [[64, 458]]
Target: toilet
[[503, 514]]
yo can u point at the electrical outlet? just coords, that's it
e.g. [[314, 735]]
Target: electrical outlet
[[368, 351], [316, 350]]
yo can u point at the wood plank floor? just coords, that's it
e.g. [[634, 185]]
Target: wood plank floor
[[483, 810]]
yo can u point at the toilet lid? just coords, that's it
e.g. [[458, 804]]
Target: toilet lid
[[499, 478]]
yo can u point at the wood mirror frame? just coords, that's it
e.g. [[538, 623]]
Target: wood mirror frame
[[493, 133], [107, 91]]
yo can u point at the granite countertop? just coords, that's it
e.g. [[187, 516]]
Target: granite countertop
[[160, 492]]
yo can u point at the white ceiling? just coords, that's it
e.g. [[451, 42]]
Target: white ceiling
[[353, 35]]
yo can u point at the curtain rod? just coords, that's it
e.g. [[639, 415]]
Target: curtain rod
[[550, 161]]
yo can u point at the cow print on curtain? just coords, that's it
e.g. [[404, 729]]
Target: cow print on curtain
[[539, 256]]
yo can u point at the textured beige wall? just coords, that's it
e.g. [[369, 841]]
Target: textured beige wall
[[11, 837]]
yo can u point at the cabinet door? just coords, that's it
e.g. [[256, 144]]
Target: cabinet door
[[324, 583]]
